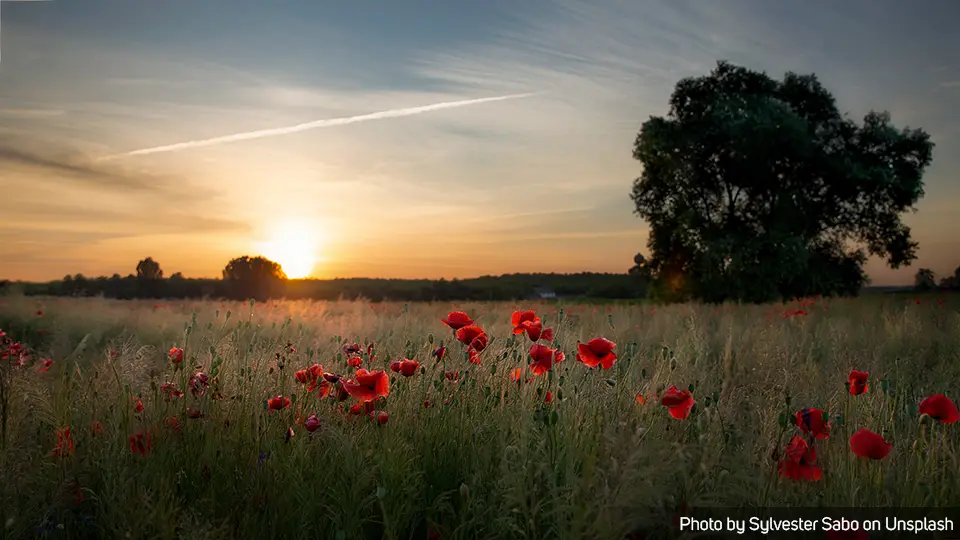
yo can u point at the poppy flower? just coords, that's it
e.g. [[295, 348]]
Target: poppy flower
[[198, 383], [278, 402], [64, 446], [640, 399], [857, 382], [395, 366], [867, 444], [516, 374], [194, 413], [138, 405], [362, 408], [439, 353], [312, 423], [408, 368], [473, 337], [679, 402], [452, 376], [800, 461], [473, 356], [97, 428], [427, 404], [368, 385], [457, 320], [813, 422], [549, 397], [597, 351], [521, 319], [46, 366], [173, 423], [342, 394], [544, 358], [940, 407], [331, 378], [356, 361], [351, 348], [176, 355], [170, 391], [140, 443], [382, 417]]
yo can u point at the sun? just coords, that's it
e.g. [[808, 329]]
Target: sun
[[294, 246]]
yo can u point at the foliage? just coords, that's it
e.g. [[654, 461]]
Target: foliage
[[754, 189], [253, 277], [925, 280], [489, 458]]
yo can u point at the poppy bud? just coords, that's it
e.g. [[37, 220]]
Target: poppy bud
[[464, 491]]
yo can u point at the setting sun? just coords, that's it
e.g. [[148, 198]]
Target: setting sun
[[294, 246]]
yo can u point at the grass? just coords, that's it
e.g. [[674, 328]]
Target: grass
[[490, 459]]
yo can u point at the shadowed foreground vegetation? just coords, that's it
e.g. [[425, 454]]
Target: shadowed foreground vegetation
[[489, 458]]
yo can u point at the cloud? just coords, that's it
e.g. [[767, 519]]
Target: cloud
[[950, 84], [31, 113]]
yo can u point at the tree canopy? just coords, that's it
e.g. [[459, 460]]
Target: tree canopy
[[757, 189], [149, 269], [253, 277]]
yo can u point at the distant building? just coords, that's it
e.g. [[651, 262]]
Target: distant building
[[544, 293]]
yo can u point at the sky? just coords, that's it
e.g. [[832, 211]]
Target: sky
[[535, 183]]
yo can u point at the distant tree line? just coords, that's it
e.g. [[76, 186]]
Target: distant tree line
[[926, 280], [259, 278]]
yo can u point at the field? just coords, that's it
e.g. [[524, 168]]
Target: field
[[463, 450]]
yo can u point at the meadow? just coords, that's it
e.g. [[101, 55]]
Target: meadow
[[143, 419]]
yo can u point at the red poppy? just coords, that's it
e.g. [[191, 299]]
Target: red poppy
[[457, 320], [351, 349], [473, 337], [395, 366], [597, 351], [544, 358], [640, 399], [549, 397], [940, 407], [474, 356], [173, 423], [278, 402], [46, 366], [356, 361], [679, 402], [408, 368], [382, 417], [137, 405], [439, 353], [813, 422], [368, 385], [97, 428], [365, 407], [516, 374], [198, 383], [800, 461], [64, 446], [521, 319], [176, 355], [312, 423], [868, 444], [342, 394], [194, 413], [140, 443], [857, 382], [170, 391], [427, 404], [453, 376]]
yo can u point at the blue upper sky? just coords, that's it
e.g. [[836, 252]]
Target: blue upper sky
[[538, 183]]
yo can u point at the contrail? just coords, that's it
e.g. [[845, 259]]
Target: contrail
[[330, 122]]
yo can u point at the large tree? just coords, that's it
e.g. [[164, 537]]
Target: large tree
[[149, 269], [757, 189], [254, 277]]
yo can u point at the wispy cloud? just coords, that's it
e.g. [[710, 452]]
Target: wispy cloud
[[31, 113], [950, 84], [317, 124]]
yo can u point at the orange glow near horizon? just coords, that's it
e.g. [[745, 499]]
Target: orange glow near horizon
[[295, 245]]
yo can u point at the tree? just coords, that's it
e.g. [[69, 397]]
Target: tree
[[757, 189], [925, 280], [640, 272], [951, 282], [149, 269], [257, 277]]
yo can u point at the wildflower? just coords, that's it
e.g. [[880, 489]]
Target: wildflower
[[46, 364], [368, 385], [940, 407], [140, 443], [549, 397], [473, 337], [97, 428], [138, 405], [679, 402], [354, 362], [382, 417], [278, 402], [170, 391], [457, 320], [812, 422], [176, 355], [800, 461], [351, 349], [867, 444], [439, 353], [198, 383], [173, 423], [473, 356], [64, 446], [857, 382], [408, 368], [544, 358], [312, 423], [395, 366], [640, 399], [516, 374], [597, 351]]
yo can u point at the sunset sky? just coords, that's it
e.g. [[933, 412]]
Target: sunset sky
[[529, 184]]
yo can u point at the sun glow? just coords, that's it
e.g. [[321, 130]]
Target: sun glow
[[293, 245]]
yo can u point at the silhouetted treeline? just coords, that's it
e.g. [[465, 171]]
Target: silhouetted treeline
[[505, 287]]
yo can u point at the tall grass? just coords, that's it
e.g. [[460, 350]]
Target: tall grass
[[490, 459]]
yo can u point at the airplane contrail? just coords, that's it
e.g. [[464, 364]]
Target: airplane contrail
[[316, 124]]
